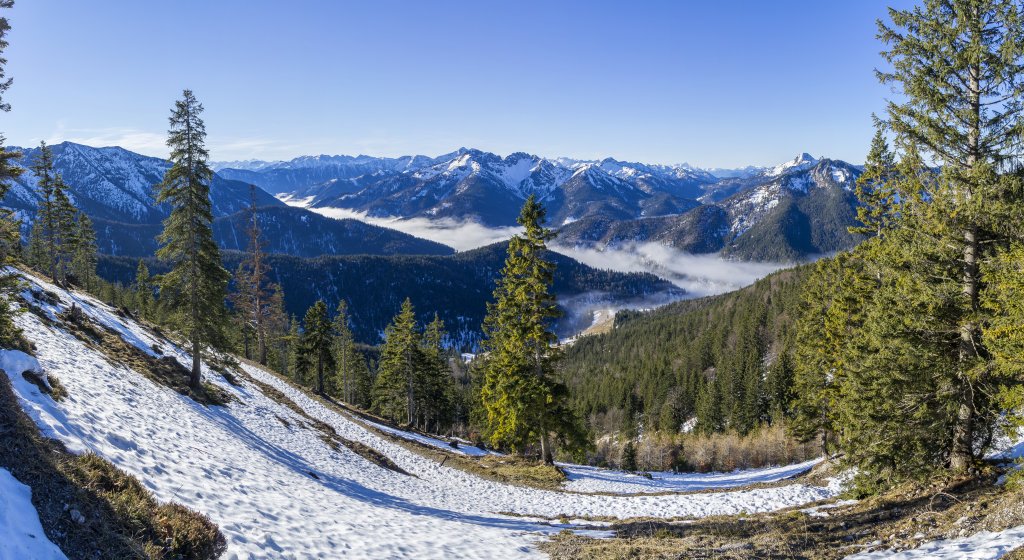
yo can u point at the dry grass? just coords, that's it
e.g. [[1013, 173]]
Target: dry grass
[[165, 370], [91, 509], [500, 468], [55, 389], [327, 432], [901, 519], [766, 446]]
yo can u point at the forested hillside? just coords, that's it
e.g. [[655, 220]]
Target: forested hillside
[[457, 287], [715, 358], [289, 230]]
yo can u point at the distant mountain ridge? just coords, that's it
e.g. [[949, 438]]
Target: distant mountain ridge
[[116, 187], [798, 209], [479, 186], [787, 212]]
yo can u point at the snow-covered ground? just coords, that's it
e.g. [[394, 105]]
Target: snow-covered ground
[[21, 534], [984, 545], [278, 491], [593, 479]]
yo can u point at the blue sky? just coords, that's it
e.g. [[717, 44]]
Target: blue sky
[[724, 83]]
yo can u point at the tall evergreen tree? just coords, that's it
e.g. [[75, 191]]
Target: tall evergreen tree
[[959, 65], [194, 289], [875, 188], [523, 399], [253, 298], [144, 303], [354, 379], [316, 340], [9, 226], [394, 390], [84, 253], [435, 390]]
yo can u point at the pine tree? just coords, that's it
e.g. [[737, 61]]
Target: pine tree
[[253, 298], [315, 342], [144, 303], [84, 253], [522, 398], [394, 390], [9, 226], [875, 188], [959, 66], [194, 289]]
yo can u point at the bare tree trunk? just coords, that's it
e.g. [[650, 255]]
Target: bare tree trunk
[[545, 448], [196, 380], [962, 452], [319, 373]]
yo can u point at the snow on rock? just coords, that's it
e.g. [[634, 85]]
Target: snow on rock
[[16, 362], [979, 546], [277, 490], [21, 534]]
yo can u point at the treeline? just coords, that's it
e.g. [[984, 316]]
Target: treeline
[[720, 363]]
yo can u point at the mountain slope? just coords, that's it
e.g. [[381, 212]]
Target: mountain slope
[[787, 213], [480, 186], [117, 185], [286, 230], [276, 468]]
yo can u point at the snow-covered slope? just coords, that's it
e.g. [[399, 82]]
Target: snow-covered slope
[[21, 534], [277, 490], [117, 185]]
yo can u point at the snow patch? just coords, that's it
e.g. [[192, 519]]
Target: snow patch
[[21, 533]]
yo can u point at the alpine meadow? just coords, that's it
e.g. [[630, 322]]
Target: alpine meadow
[[223, 338]]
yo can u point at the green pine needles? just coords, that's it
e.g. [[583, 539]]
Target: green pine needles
[[908, 352], [522, 398], [194, 290]]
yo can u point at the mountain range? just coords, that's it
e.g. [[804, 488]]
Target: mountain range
[[116, 188], [788, 212]]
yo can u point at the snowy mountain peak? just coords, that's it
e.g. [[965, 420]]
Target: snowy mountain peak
[[801, 161]]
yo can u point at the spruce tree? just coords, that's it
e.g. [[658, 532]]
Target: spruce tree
[[48, 215], [356, 385], [521, 396], [875, 189], [194, 289], [10, 236], [435, 387], [84, 253], [394, 390], [959, 67], [8, 170], [316, 340], [144, 303]]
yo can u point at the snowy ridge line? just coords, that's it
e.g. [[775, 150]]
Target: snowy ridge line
[[250, 465]]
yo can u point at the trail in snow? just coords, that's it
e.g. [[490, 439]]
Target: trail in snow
[[277, 490]]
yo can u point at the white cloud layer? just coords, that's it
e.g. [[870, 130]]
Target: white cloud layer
[[460, 235], [699, 275]]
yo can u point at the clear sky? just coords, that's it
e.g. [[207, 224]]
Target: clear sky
[[713, 83]]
